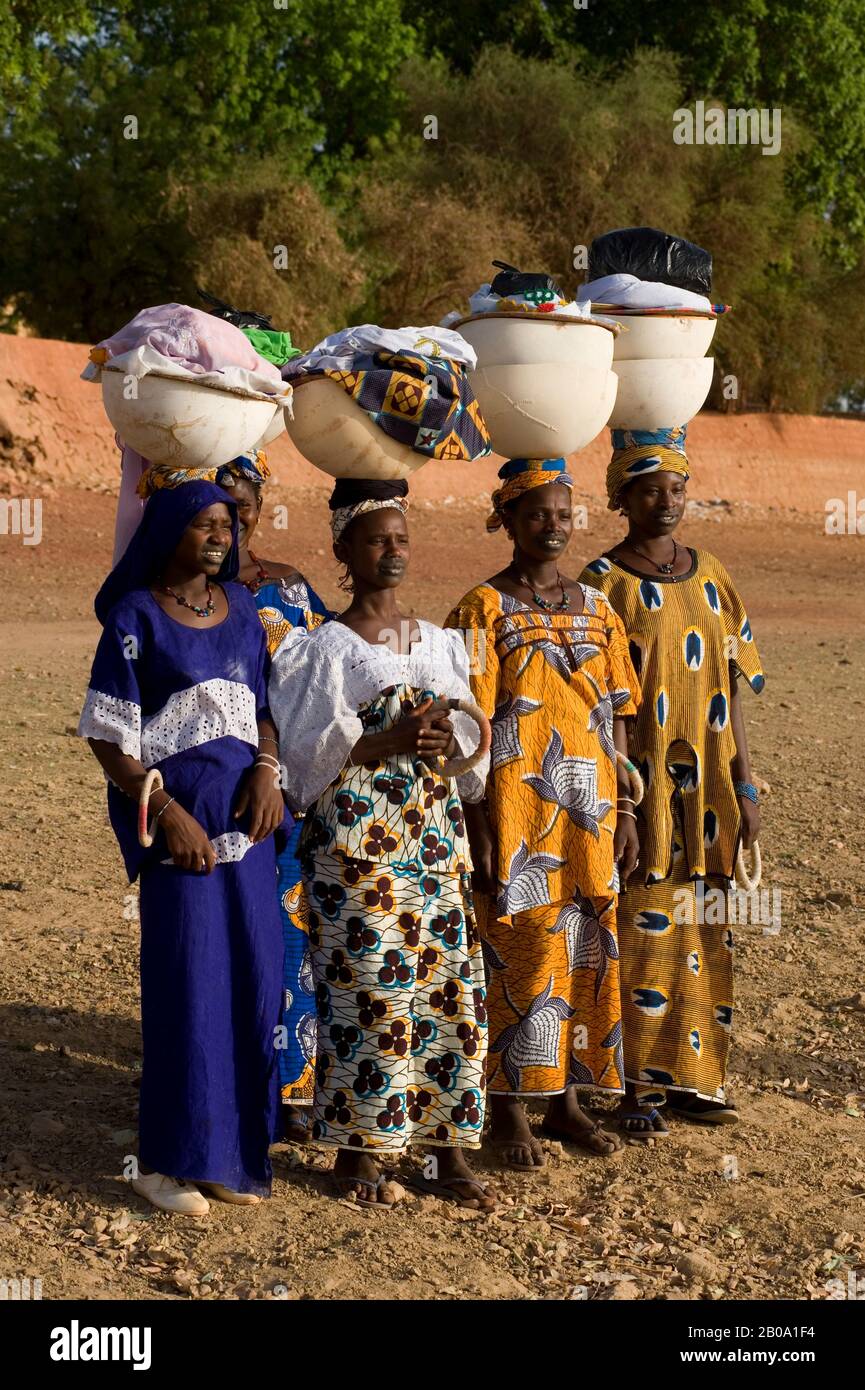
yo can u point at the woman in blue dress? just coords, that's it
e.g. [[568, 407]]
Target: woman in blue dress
[[179, 683], [285, 600]]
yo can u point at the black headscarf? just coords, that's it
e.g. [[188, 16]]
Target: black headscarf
[[349, 491]]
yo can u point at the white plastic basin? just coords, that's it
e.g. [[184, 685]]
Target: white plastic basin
[[657, 393], [546, 410], [656, 335], [502, 340], [171, 420], [337, 436]]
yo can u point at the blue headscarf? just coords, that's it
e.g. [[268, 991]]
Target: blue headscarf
[[165, 518]]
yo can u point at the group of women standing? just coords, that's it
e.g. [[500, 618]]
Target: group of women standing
[[330, 917]]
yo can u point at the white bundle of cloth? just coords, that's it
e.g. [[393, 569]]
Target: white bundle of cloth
[[627, 292], [483, 301], [337, 352]]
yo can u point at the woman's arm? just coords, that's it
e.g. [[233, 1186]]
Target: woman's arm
[[187, 842], [626, 842], [482, 843], [740, 766], [261, 792]]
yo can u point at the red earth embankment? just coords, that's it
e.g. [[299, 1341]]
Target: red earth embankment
[[53, 431]]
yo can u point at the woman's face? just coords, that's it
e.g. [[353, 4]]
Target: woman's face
[[541, 522], [376, 548], [248, 500], [655, 503], [205, 542]]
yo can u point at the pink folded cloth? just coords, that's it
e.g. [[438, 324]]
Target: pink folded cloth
[[198, 341]]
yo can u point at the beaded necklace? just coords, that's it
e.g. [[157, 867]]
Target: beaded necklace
[[206, 612]]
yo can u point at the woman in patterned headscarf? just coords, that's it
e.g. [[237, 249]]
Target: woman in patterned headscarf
[[691, 642], [551, 670]]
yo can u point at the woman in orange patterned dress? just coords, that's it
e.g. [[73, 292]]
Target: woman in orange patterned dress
[[550, 667]]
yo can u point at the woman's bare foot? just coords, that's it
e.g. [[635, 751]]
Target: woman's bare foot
[[566, 1120], [511, 1136], [356, 1174], [455, 1181]]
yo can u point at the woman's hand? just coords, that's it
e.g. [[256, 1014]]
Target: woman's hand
[[426, 731], [187, 841], [262, 797], [626, 847], [750, 816]]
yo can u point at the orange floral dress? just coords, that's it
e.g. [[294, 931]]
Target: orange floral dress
[[551, 684]]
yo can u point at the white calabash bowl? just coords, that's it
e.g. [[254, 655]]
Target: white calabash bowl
[[337, 436], [274, 429], [180, 422], [658, 393], [660, 335], [503, 340], [545, 410]]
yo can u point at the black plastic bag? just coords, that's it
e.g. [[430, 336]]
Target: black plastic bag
[[512, 281], [241, 318], [651, 255]]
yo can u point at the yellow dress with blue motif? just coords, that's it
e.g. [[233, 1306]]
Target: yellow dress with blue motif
[[676, 972]]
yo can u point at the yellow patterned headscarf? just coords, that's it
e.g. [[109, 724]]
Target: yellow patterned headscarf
[[636, 452], [519, 475], [252, 466]]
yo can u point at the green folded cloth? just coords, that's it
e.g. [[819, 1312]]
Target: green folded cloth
[[275, 347]]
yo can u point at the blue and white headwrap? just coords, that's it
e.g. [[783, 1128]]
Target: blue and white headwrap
[[636, 452]]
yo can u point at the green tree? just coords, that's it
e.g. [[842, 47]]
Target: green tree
[[806, 57], [28, 28], [163, 99], [532, 161]]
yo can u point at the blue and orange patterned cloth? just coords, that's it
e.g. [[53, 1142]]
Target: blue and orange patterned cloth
[[253, 466], [423, 402]]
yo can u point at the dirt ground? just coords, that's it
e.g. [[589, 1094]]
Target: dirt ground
[[774, 1209]]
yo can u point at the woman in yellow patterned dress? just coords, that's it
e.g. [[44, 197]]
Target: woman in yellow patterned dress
[[691, 642], [550, 667]]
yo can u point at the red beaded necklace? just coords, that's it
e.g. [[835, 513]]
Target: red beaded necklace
[[259, 579]]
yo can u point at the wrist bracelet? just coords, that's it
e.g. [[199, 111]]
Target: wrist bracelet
[[163, 808], [748, 790], [627, 798], [627, 813], [266, 738], [265, 760]]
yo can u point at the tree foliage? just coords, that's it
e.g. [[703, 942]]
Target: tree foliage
[[395, 149]]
